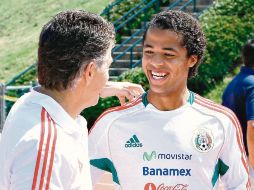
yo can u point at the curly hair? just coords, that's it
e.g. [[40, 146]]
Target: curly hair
[[188, 27], [248, 53], [67, 43]]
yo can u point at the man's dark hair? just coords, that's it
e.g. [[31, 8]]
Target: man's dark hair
[[68, 42], [184, 24], [248, 53]]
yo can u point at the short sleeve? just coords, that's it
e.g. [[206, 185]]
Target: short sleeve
[[232, 163], [99, 154]]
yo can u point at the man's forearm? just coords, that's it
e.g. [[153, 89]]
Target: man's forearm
[[250, 141]]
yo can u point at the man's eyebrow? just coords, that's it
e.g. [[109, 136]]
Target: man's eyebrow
[[166, 48], [169, 49], [148, 46]]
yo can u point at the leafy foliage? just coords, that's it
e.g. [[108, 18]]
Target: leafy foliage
[[124, 7], [227, 25], [135, 75]]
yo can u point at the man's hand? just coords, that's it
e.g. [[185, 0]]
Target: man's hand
[[122, 90]]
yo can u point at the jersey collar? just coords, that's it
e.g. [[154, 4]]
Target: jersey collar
[[190, 99], [57, 113]]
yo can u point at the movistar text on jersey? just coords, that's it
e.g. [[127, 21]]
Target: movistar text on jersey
[[165, 156], [166, 172], [175, 156]]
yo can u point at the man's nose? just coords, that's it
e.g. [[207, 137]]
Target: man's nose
[[157, 60]]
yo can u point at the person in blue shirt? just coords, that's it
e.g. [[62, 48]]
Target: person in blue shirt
[[239, 97]]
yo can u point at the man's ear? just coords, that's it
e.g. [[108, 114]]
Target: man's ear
[[89, 72], [193, 59]]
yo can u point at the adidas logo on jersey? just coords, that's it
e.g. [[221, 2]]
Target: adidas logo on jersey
[[133, 142]]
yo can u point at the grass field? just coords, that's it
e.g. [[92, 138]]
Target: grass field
[[20, 25]]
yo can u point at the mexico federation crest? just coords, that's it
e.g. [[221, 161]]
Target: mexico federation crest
[[203, 140]]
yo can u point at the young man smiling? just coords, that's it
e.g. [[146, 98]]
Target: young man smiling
[[170, 120]]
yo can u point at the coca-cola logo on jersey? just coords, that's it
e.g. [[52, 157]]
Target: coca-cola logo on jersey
[[152, 186]]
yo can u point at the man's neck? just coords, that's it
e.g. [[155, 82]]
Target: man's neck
[[170, 101], [66, 98]]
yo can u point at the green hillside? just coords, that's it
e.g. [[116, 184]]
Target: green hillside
[[20, 25]]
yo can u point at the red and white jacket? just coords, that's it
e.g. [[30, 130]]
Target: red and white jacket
[[42, 147]]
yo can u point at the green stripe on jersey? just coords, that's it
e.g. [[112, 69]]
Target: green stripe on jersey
[[191, 98], [220, 169], [106, 165], [144, 99]]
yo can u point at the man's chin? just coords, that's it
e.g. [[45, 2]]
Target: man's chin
[[95, 101], [91, 103], [159, 91]]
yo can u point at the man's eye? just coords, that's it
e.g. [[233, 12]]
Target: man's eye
[[168, 55], [149, 52]]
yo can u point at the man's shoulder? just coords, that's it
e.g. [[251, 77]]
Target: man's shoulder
[[242, 79], [112, 114], [214, 109], [24, 112], [23, 118]]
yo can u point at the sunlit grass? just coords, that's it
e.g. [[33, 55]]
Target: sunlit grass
[[20, 25]]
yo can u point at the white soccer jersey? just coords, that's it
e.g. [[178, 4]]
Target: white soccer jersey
[[188, 148], [42, 147]]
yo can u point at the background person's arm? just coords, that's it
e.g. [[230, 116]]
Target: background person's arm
[[250, 123], [250, 141]]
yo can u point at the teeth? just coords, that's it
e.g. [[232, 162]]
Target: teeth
[[158, 75]]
